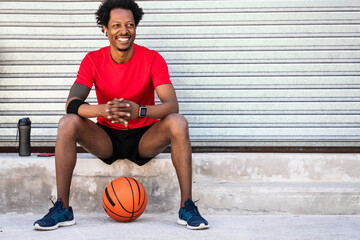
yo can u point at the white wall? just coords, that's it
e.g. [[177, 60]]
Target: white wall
[[247, 73]]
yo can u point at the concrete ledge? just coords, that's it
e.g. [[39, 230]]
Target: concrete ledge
[[27, 183], [280, 198], [235, 183], [276, 167]]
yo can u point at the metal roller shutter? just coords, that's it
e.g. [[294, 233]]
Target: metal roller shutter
[[247, 73]]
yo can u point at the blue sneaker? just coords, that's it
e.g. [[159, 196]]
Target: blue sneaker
[[57, 217], [190, 217]]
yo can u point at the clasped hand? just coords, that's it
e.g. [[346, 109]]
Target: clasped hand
[[120, 111]]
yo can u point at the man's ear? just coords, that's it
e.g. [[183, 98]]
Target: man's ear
[[104, 30]]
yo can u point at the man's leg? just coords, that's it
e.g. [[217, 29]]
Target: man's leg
[[73, 129], [171, 129], [174, 129]]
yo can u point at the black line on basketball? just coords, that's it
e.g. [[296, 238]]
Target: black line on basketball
[[132, 192], [109, 198], [144, 199], [138, 190], [112, 186], [143, 202], [104, 204]]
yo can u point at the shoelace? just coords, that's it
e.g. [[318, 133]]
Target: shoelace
[[193, 209], [56, 204]]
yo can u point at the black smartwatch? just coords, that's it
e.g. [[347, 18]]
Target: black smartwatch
[[142, 111]]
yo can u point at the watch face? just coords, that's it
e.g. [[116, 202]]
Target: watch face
[[143, 111]]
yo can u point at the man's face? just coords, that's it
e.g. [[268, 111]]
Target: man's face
[[121, 29]]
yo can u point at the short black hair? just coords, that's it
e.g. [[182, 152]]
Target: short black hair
[[103, 13]]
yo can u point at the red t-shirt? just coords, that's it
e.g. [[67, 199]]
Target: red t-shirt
[[134, 80]]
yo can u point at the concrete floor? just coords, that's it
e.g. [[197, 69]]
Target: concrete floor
[[164, 226]]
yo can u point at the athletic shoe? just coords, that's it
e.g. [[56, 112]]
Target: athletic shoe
[[57, 217], [190, 217]]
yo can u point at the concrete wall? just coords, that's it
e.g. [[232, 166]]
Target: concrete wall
[[241, 183]]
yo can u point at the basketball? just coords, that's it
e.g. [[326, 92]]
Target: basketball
[[124, 199]]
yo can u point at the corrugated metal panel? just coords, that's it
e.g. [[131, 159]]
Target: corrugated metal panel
[[247, 73]]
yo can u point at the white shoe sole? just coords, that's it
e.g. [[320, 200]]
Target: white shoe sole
[[60, 224], [184, 223]]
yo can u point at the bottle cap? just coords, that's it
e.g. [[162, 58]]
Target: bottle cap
[[24, 122]]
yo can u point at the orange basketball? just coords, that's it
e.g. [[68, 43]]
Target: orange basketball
[[124, 199]]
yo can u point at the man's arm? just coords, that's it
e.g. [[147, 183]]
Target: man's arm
[[120, 108], [169, 103], [79, 91]]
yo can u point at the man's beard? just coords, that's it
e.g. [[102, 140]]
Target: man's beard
[[123, 50]]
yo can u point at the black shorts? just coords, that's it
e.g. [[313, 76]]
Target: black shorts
[[125, 144]]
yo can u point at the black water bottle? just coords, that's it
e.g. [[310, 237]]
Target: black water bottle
[[24, 127]]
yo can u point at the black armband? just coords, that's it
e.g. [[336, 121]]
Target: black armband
[[74, 105]]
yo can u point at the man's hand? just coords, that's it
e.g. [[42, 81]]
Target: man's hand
[[120, 110]]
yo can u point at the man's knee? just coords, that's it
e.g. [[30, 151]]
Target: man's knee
[[177, 124], [69, 124]]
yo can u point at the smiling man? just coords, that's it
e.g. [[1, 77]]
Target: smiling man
[[129, 124]]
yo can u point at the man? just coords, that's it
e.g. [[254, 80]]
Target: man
[[125, 76]]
